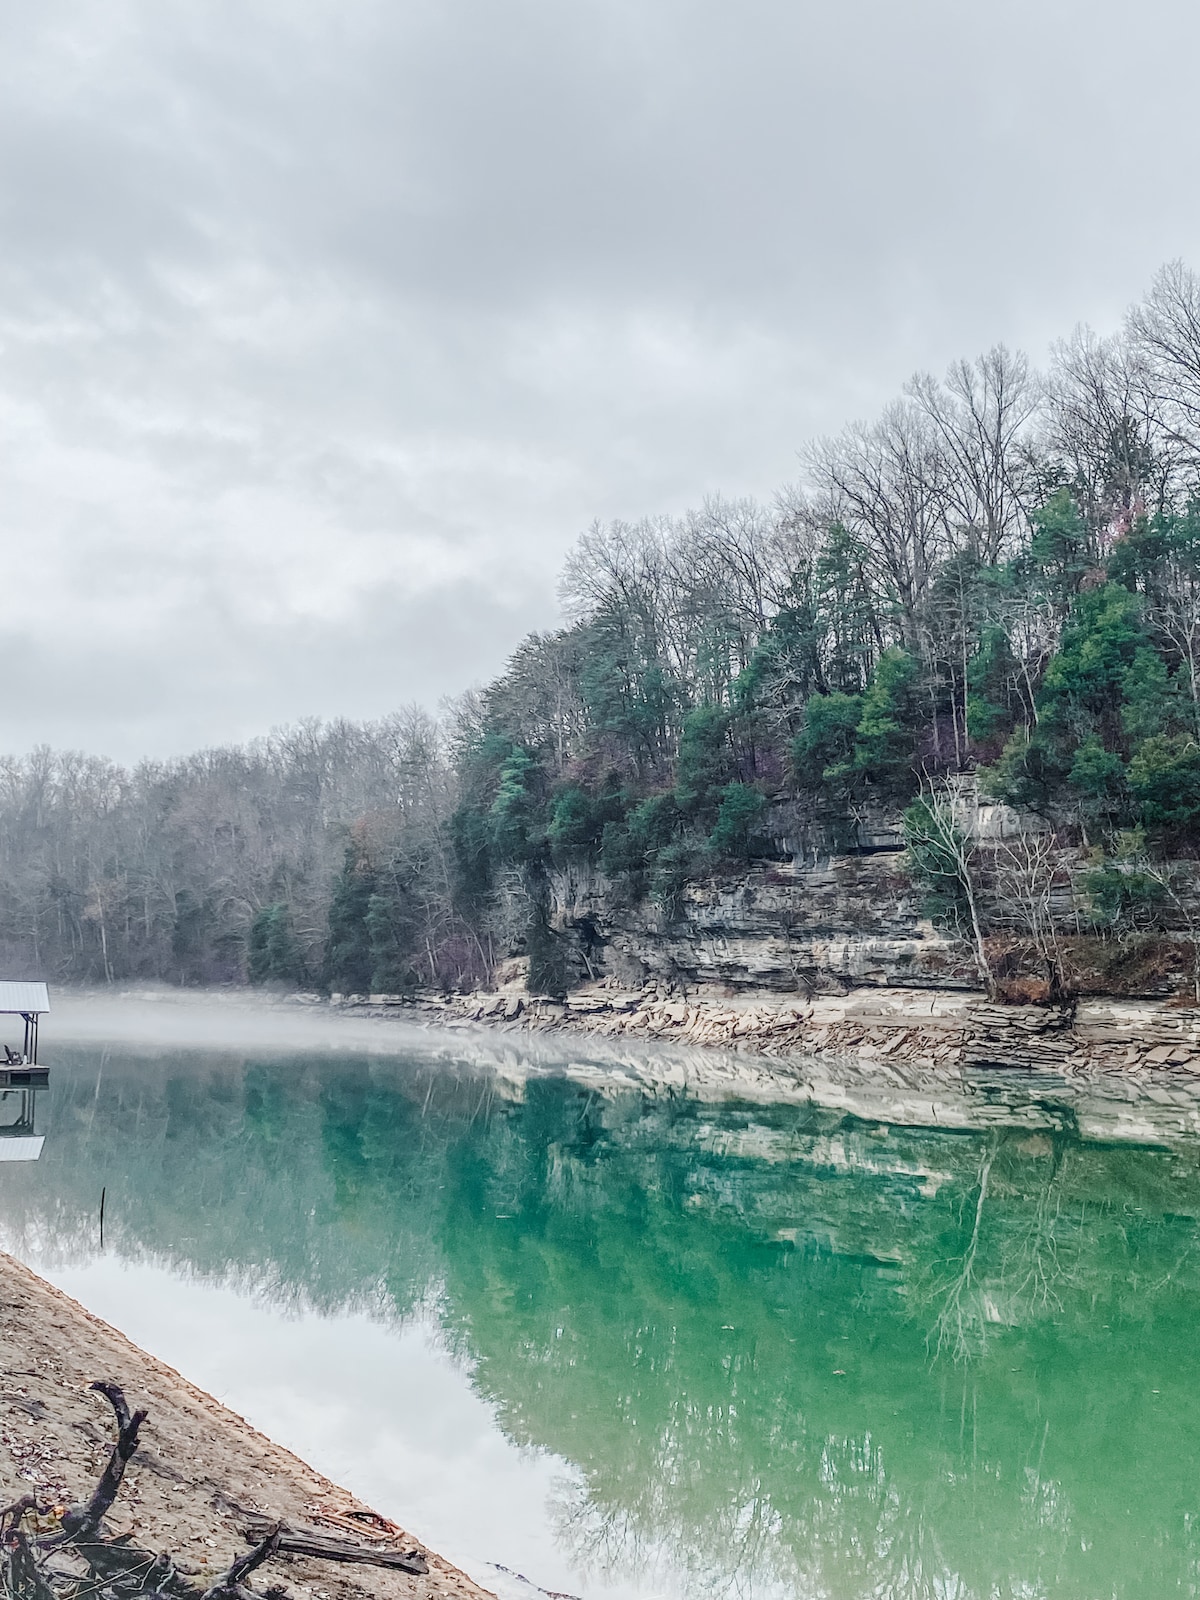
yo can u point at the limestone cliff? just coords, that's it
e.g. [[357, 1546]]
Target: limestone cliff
[[822, 928], [815, 920]]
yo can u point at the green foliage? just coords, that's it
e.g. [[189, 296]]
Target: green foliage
[[785, 668], [848, 611], [740, 812], [1098, 777], [471, 824], [633, 846], [704, 761], [273, 954], [1149, 697], [1085, 681], [986, 719], [349, 959], [885, 740], [854, 742], [991, 671], [573, 827], [470, 841], [624, 686], [516, 815], [1138, 558], [393, 937], [1060, 546], [675, 866], [823, 751], [1064, 675], [1121, 892], [1164, 779], [579, 818], [1025, 775]]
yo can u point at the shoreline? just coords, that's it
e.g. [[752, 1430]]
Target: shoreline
[[201, 1474], [955, 1028], [1104, 1070], [1110, 1069]]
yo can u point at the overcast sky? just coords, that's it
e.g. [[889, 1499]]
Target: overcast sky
[[326, 325]]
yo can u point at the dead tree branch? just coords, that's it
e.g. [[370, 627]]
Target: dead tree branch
[[81, 1523], [118, 1569]]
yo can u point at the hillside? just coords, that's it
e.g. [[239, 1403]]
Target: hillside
[[938, 705]]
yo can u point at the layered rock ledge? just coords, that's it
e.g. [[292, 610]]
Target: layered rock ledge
[[947, 1028]]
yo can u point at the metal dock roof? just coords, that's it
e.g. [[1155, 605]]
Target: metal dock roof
[[23, 998], [27, 1149]]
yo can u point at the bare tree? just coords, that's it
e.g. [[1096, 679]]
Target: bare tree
[[945, 855], [1026, 878], [1165, 330], [1174, 609], [1104, 422], [958, 1329], [887, 484], [980, 413]]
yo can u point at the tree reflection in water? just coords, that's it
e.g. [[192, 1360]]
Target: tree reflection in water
[[788, 1353]]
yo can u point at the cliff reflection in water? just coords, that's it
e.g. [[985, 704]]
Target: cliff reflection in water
[[794, 1351]]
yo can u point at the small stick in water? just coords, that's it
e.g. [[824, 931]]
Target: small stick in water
[[103, 1191]]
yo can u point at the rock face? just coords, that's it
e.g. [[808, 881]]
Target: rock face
[[829, 923], [830, 955], [825, 928]]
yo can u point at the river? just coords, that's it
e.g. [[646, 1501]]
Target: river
[[631, 1342]]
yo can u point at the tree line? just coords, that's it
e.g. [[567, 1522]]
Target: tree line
[[231, 864], [998, 577]]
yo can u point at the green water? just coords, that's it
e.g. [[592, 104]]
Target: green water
[[793, 1353]]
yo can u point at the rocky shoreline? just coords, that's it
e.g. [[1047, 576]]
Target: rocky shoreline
[[945, 1028], [1107, 1069]]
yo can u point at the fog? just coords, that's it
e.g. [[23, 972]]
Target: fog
[[173, 1019]]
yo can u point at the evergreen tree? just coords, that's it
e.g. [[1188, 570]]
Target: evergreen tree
[[349, 958]]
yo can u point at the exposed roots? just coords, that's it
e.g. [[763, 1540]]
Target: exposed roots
[[46, 1556]]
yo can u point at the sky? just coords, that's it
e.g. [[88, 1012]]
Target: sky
[[325, 328]]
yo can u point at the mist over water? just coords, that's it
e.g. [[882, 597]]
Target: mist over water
[[171, 1018], [636, 1342]]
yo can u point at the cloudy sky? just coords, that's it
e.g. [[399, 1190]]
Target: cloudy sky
[[326, 325]]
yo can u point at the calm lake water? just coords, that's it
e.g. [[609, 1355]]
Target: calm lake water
[[640, 1345]]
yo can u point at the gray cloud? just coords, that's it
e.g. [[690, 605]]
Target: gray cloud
[[324, 329]]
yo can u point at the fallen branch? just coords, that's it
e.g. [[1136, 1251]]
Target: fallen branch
[[302, 1543], [230, 1586], [26, 1581]]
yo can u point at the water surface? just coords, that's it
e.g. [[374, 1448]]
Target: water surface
[[640, 1344]]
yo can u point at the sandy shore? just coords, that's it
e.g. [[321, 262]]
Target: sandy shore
[[198, 1470]]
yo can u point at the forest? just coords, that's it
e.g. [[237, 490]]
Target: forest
[[995, 583]]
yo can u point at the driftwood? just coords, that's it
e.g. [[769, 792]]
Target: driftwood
[[77, 1561], [81, 1522], [303, 1543]]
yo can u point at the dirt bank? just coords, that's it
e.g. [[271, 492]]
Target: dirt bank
[[199, 1470]]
